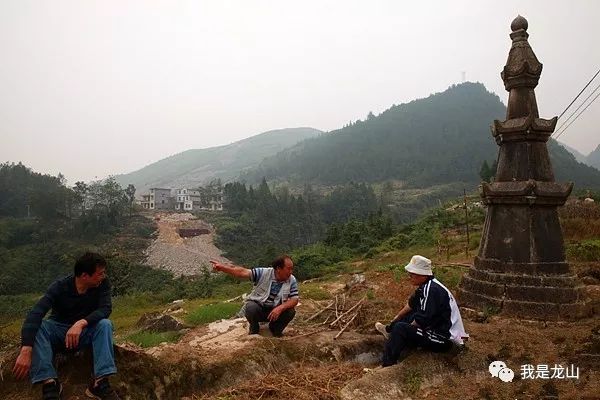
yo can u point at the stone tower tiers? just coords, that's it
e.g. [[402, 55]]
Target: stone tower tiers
[[521, 269]]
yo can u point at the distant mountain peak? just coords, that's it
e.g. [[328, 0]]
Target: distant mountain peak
[[194, 167], [439, 139]]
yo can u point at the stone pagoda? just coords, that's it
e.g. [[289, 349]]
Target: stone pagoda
[[521, 269]]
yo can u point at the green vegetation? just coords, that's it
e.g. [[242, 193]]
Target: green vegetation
[[16, 306], [437, 140], [260, 224], [314, 291], [412, 379], [150, 339], [212, 312], [45, 226], [587, 250]]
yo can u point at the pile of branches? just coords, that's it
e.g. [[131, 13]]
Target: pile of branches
[[304, 382], [338, 315]]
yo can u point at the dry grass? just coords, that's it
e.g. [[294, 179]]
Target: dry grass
[[580, 228], [306, 381], [580, 220]]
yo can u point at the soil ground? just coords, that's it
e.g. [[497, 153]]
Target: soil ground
[[314, 361]]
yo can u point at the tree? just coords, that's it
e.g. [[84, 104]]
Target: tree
[[485, 173], [80, 189], [130, 191], [494, 169]]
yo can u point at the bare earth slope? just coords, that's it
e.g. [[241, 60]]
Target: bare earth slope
[[220, 361], [182, 256]]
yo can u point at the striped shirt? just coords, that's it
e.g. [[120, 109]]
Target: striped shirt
[[256, 274]]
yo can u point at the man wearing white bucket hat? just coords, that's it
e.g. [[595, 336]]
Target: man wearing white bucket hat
[[430, 320]]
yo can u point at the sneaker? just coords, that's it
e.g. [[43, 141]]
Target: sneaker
[[102, 391], [381, 329], [52, 390]]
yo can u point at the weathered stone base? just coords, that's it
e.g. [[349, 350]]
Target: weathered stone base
[[546, 291]]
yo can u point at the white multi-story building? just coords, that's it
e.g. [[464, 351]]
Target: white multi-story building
[[188, 199], [202, 198]]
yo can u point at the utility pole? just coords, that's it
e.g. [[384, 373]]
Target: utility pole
[[466, 222]]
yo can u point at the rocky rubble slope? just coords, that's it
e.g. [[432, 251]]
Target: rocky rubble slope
[[182, 256]]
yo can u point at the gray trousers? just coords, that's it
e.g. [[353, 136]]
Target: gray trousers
[[256, 312]]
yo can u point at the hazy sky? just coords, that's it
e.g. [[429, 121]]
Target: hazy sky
[[92, 88]]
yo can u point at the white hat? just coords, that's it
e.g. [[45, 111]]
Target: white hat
[[419, 265]]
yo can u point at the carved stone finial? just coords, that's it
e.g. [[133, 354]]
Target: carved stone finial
[[519, 23]]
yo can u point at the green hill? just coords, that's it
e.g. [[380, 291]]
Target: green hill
[[194, 167], [440, 139]]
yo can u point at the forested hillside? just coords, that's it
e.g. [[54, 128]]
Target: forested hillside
[[195, 167], [441, 139], [45, 226], [259, 223]]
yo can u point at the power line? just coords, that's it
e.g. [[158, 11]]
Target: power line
[[586, 107], [577, 109], [576, 97]]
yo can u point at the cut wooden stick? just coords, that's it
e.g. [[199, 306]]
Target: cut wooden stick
[[319, 312], [345, 326], [347, 312], [456, 265], [234, 299], [305, 334], [336, 306]]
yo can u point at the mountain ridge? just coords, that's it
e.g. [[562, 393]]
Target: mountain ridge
[[197, 166], [439, 139]]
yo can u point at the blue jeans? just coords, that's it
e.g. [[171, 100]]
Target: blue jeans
[[51, 336]]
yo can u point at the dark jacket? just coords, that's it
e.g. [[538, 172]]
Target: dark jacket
[[68, 306], [431, 306]]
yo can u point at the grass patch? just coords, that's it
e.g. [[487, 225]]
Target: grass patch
[[412, 380], [587, 250], [128, 309], [314, 292], [449, 276], [212, 312], [151, 339], [16, 307], [225, 287]]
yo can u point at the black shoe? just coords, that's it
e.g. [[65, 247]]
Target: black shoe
[[102, 391], [52, 390]]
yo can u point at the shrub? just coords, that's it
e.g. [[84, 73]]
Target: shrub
[[311, 261], [588, 250]]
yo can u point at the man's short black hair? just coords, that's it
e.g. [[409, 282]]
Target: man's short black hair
[[279, 262], [88, 263]]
